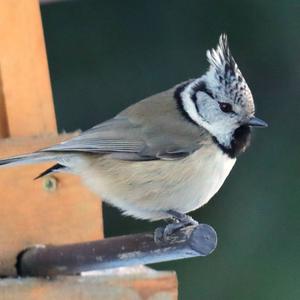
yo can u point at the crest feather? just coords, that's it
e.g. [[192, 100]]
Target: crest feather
[[221, 58], [224, 74]]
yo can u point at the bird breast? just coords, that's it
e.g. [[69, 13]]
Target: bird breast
[[145, 189]]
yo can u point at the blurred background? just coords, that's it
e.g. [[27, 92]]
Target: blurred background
[[105, 55]]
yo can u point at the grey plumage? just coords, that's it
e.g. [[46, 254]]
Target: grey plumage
[[171, 151], [141, 133]]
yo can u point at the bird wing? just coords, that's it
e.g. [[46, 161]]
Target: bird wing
[[111, 136], [144, 131], [127, 141]]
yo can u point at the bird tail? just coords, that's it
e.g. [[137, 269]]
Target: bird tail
[[31, 158]]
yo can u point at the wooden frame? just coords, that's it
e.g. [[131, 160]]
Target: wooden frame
[[29, 213]]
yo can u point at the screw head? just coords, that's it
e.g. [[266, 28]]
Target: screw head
[[50, 184]]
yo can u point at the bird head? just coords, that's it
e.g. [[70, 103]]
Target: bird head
[[220, 100]]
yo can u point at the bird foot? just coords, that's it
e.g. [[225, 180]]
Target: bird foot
[[163, 234]]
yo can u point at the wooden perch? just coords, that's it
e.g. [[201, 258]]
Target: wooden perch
[[136, 249]]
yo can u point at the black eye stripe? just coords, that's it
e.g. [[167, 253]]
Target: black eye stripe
[[201, 87], [179, 101]]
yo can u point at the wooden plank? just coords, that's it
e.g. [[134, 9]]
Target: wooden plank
[[21, 145], [31, 214], [130, 284], [25, 97]]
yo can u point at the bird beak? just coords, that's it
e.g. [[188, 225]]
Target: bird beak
[[256, 122]]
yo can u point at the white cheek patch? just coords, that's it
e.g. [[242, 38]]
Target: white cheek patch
[[221, 130], [190, 106], [223, 136]]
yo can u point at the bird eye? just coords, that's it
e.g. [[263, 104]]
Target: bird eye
[[225, 107]]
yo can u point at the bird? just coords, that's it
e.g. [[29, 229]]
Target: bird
[[168, 154]]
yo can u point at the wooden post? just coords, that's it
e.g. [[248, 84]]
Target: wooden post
[[26, 96], [31, 213]]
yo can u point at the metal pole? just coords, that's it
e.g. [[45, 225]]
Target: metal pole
[[128, 250]]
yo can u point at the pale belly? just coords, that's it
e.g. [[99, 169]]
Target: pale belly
[[146, 190]]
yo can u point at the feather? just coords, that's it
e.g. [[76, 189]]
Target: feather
[[53, 169], [139, 133]]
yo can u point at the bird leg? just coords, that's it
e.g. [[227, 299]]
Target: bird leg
[[182, 218], [180, 221]]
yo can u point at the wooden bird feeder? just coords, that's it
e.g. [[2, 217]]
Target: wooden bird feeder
[[58, 210]]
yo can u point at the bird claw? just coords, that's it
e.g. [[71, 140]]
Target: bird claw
[[182, 218], [163, 234]]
